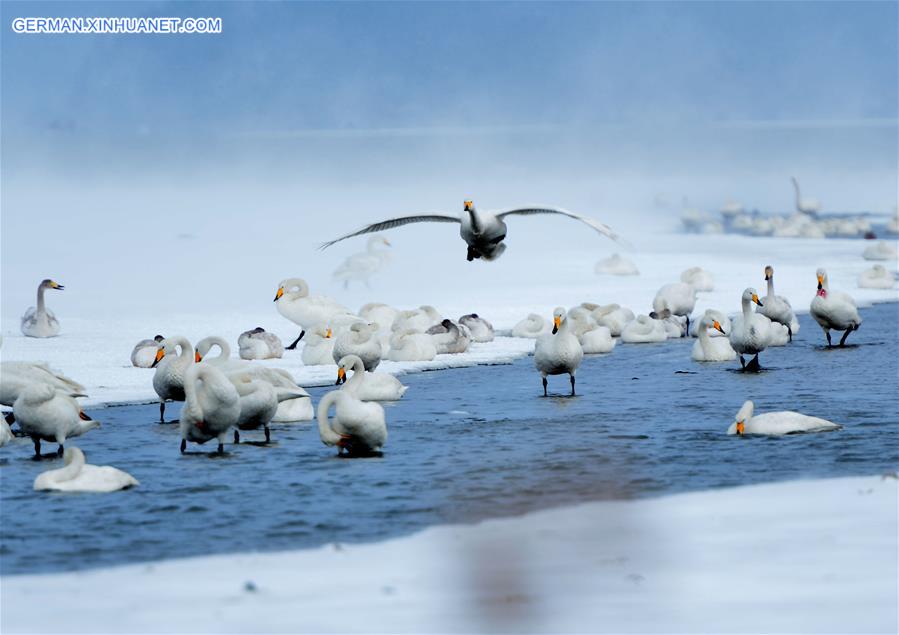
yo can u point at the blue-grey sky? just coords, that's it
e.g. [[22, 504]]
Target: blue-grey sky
[[318, 116]]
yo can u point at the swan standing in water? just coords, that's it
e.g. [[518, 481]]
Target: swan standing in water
[[78, 476], [777, 423], [750, 332], [481, 330], [877, 277], [44, 413], [483, 232], [294, 302], [408, 345], [698, 278], [559, 352], [259, 344], [644, 330], [358, 427], [449, 337], [712, 349], [211, 406], [369, 386], [362, 266], [679, 298], [144, 353], [168, 381], [532, 327], [834, 310], [16, 376], [777, 308], [804, 206], [259, 402], [616, 265], [39, 321], [360, 339]]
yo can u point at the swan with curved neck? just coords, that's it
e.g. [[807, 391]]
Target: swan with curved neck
[[777, 308], [750, 332], [712, 349], [46, 414], [559, 352], [449, 337], [39, 321], [294, 302], [644, 330], [168, 380], [78, 476], [481, 330], [834, 310], [258, 343], [259, 402], [532, 327], [360, 339], [211, 406], [358, 427], [367, 385], [777, 423], [144, 352]]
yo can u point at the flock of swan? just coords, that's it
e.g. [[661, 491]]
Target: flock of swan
[[225, 397]]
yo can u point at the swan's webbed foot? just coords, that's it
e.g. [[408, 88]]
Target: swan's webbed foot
[[268, 434], [236, 437], [846, 334], [572, 385], [183, 445], [293, 345], [753, 365], [545, 391]]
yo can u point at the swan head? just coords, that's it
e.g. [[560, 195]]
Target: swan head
[[468, 206], [743, 416], [158, 338], [47, 283], [750, 295], [558, 316], [279, 293], [769, 272], [347, 361], [822, 278], [160, 353]]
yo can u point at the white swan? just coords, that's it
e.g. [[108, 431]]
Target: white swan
[[616, 265], [363, 265], [834, 310], [679, 298], [532, 327], [211, 406], [381, 314], [78, 476], [366, 385], [644, 330], [612, 316], [259, 401], [877, 277], [144, 352], [483, 232], [420, 319], [449, 337], [880, 250], [777, 308], [559, 352], [168, 380], [698, 278], [294, 302], [593, 338], [712, 349], [39, 321], [16, 376], [409, 345], [259, 344], [44, 413], [804, 206], [319, 348], [360, 339], [358, 427], [481, 330], [777, 423], [750, 332]]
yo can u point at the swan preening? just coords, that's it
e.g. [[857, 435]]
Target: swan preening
[[369, 386], [358, 427], [678, 298], [78, 476], [259, 344], [877, 277], [834, 310], [45, 413], [777, 308], [144, 353], [362, 266], [360, 339], [750, 332], [483, 232], [319, 348], [480, 329], [559, 352], [39, 321], [644, 330], [211, 406], [777, 423], [450, 337], [293, 301]]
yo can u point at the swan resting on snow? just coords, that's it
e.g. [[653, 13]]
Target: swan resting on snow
[[877, 277], [258, 343], [834, 310], [750, 332], [319, 348], [293, 301], [483, 232], [358, 427], [560, 352], [480, 329], [78, 476], [369, 386], [449, 337], [45, 413], [39, 321], [533, 326], [409, 345], [144, 352], [712, 349], [698, 278], [360, 339], [777, 423], [881, 250]]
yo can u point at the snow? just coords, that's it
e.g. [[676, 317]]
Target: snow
[[802, 556], [94, 349]]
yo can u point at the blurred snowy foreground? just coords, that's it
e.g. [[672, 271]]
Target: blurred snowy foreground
[[809, 556]]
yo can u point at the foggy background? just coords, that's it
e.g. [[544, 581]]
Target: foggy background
[[161, 173]]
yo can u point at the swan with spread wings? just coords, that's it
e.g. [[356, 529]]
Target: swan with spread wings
[[483, 232]]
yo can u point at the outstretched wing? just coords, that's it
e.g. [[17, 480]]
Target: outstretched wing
[[395, 222], [602, 228]]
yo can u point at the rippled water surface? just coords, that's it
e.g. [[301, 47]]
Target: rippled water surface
[[465, 444]]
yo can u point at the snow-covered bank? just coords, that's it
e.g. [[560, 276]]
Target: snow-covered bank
[[810, 556], [533, 278]]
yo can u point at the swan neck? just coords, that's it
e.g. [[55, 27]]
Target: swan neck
[[771, 287], [747, 307], [40, 299], [475, 222], [74, 463], [325, 430]]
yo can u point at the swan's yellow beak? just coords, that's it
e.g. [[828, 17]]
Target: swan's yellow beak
[[341, 376], [279, 294], [197, 357], [160, 353], [56, 285], [740, 428], [469, 205], [557, 321], [717, 326], [387, 242], [328, 334], [755, 298], [820, 282]]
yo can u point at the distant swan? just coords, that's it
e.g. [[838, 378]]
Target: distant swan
[[533, 326], [698, 278], [78, 476], [777, 308], [559, 352], [144, 353], [834, 310], [616, 265], [750, 332], [880, 250], [644, 330], [804, 206], [358, 427], [481, 330], [39, 321], [44, 413], [211, 406], [363, 265], [777, 423], [258, 343], [368, 386], [294, 302], [712, 349], [877, 277], [483, 232]]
